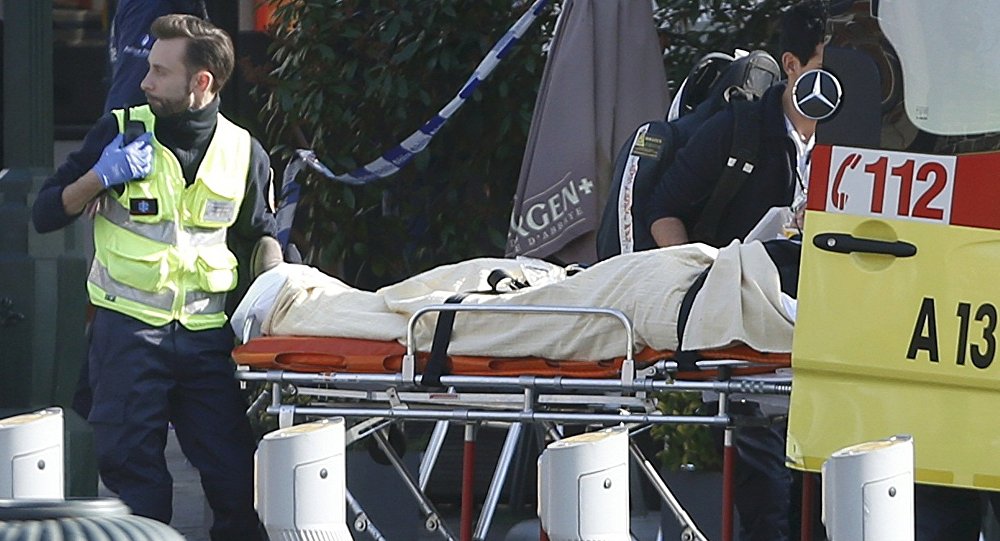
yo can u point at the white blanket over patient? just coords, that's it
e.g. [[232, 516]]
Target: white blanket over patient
[[740, 302]]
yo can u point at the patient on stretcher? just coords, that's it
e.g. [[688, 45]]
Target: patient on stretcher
[[740, 302]]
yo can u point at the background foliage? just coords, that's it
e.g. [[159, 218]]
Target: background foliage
[[691, 28], [686, 447], [351, 78]]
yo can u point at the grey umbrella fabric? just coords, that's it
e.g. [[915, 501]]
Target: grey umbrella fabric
[[604, 77]]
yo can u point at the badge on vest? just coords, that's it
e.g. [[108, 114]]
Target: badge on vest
[[143, 207], [219, 211]]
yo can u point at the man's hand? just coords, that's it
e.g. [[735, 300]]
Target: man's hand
[[669, 232], [120, 164]]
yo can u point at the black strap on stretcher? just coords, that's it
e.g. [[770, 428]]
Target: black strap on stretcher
[[436, 364], [785, 255], [686, 360], [439, 346]]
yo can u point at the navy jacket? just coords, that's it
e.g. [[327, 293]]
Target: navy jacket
[[130, 42], [685, 187], [186, 135]]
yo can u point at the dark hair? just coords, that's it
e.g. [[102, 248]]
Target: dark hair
[[803, 27], [208, 47]]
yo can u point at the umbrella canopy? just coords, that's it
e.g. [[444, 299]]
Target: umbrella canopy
[[603, 78]]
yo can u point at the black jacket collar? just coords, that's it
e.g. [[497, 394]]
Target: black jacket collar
[[188, 134], [774, 112], [190, 129]]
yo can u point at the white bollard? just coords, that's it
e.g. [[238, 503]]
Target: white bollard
[[31, 455], [299, 482], [868, 491], [583, 487]]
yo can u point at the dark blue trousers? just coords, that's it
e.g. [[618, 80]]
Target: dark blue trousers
[[762, 485], [145, 377], [947, 514]]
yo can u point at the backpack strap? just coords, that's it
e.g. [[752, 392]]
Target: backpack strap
[[637, 168], [739, 165]]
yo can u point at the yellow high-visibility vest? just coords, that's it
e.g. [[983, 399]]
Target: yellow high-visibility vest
[[160, 246]]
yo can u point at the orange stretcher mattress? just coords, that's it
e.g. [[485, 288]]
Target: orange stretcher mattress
[[354, 355]]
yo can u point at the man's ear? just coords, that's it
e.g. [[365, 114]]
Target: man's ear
[[203, 80], [790, 64]]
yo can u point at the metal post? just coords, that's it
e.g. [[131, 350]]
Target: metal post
[[689, 530], [27, 64], [361, 522], [432, 519], [728, 459], [805, 531], [496, 486], [42, 276], [431, 454], [468, 482], [728, 471]]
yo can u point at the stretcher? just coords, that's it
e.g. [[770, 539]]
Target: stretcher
[[383, 381], [317, 354], [432, 376]]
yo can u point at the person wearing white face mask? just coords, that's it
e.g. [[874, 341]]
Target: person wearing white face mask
[[775, 178]]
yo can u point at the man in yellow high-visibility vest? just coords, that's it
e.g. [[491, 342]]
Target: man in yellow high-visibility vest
[[179, 193]]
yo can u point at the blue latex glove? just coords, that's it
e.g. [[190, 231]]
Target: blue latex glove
[[120, 164]]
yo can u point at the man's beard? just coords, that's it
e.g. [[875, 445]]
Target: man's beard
[[162, 107]]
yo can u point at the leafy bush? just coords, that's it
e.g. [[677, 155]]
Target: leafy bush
[[691, 28], [351, 78], [357, 76], [685, 447]]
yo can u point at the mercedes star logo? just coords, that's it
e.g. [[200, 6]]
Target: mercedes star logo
[[817, 94]]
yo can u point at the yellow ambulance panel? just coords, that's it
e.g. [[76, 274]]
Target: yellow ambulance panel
[[898, 327]]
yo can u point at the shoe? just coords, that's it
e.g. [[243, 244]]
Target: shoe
[[266, 255]]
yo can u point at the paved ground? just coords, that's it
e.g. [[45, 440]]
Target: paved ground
[[192, 517]]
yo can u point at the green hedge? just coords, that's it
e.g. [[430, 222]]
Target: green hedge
[[357, 76]]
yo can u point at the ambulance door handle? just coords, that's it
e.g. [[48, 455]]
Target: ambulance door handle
[[845, 244]]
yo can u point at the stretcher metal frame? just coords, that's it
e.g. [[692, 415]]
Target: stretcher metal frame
[[513, 401]]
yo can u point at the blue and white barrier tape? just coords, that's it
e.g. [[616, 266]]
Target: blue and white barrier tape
[[397, 157], [290, 191]]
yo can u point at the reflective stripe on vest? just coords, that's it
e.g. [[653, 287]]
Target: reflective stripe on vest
[[165, 232], [160, 244], [199, 302], [99, 276], [195, 302]]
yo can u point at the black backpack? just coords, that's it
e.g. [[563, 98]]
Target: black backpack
[[715, 82]]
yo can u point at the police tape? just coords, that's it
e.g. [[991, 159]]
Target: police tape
[[394, 159]]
